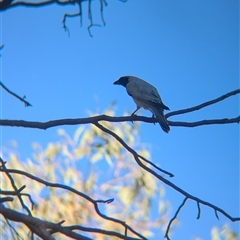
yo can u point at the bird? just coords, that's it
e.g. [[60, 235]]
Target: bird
[[145, 95]]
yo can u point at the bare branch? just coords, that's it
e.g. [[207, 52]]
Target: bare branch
[[8, 4], [3, 167], [155, 166], [95, 119], [199, 210], [27, 104], [205, 104], [174, 217], [56, 185], [39, 226], [170, 184], [6, 199], [12, 192], [88, 120]]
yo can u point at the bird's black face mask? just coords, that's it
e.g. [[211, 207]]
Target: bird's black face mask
[[122, 81]]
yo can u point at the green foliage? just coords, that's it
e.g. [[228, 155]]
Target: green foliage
[[95, 164]]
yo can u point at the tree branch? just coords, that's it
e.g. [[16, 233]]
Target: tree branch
[[27, 104], [56, 185], [8, 4], [205, 104], [170, 184], [3, 167], [96, 119], [174, 217]]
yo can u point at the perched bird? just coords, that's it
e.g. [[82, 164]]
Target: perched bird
[[145, 95]]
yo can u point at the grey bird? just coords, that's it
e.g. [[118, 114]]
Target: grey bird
[[145, 95]]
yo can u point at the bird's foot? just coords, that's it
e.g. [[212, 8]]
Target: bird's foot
[[133, 114]]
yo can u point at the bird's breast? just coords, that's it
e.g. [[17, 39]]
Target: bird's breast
[[141, 104]]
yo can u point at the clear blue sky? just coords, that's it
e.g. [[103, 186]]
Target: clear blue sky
[[188, 49]]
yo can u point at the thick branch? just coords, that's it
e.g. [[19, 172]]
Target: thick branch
[[8, 4], [96, 119], [39, 226]]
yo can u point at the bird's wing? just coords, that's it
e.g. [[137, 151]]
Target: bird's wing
[[145, 92]]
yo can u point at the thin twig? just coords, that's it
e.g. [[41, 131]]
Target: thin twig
[[27, 104], [3, 167], [205, 104], [174, 217]]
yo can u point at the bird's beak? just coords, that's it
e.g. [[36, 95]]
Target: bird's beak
[[116, 82]]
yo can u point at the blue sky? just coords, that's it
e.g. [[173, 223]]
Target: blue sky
[[188, 49]]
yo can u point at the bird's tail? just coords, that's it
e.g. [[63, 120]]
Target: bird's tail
[[162, 120]]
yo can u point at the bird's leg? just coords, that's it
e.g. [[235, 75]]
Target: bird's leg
[[134, 113], [153, 117]]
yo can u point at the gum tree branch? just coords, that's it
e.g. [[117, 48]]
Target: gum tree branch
[[14, 187], [205, 104], [96, 119], [56, 185], [38, 226], [9, 4], [170, 184], [174, 217], [22, 99]]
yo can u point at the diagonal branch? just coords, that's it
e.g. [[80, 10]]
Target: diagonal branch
[[3, 167], [170, 184], [174, 217], [205, 104], [27, 104]]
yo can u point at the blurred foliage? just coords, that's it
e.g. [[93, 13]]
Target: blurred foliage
[[224, 233], [94, 163]]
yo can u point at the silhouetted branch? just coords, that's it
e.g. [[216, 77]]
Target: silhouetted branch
[[205, 104], [170, 184], [8, 4], [56, 185], [12, 192], [3, 167], [96, 119], [6, 199], [27, 104], [38, 226], [174, 217]]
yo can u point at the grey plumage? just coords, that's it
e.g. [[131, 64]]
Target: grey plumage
[[145, 95]]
